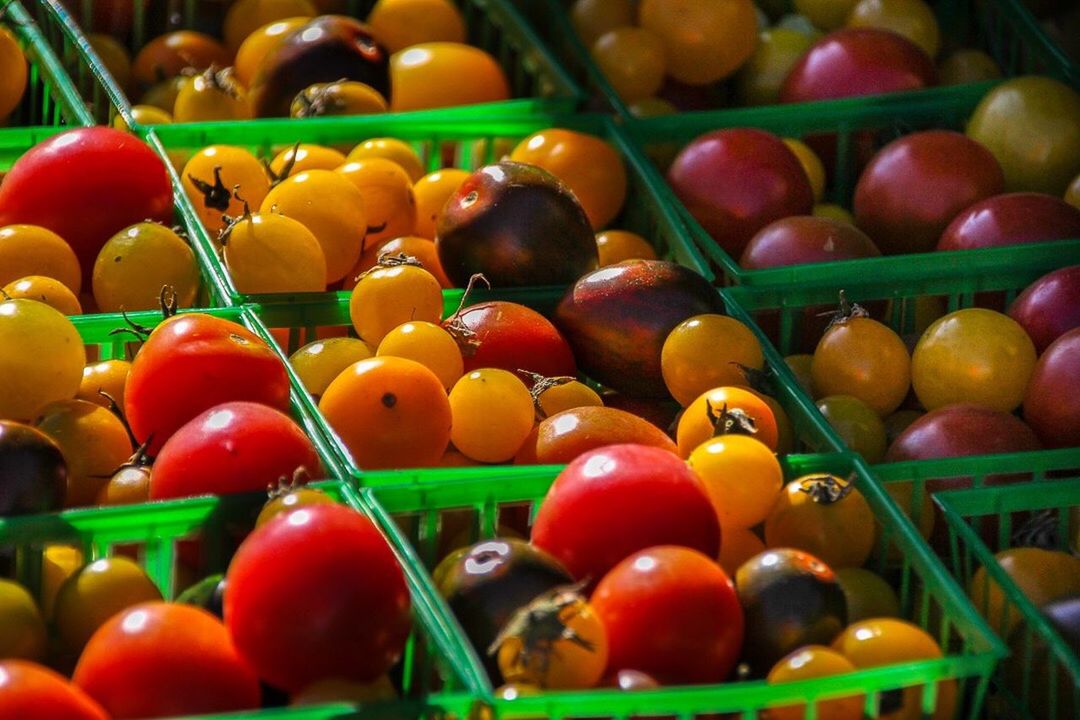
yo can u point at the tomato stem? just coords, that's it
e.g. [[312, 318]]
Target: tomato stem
[[826, 489], [730, 421], [215, 196], [278, 178], [541, 385], [845, 311], [462, 333]]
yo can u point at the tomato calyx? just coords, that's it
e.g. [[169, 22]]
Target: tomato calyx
[[1039, 531], [846, 310], [541, 384], [730, 421], [168, 301], [463, 335], [826, 489], [320, 101], [757, 380], [216, 79], [215, 195], [285, 485], [232, 221], [276, 178]]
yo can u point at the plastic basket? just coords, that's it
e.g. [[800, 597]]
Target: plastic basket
[[470, 144], [301, 319], [1042, 678], [50, 98], [537, 81], [154, 532], [856, 123], [929, 598]]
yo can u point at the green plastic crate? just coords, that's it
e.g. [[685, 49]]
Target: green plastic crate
[[1042, 678], [430, 683], [537, 81], [303, 317], [50, 98], [929, 598], [1004, 29], [471, 145], [854, 121]]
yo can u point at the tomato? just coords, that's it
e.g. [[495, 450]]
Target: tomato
[[555, 395], [898, 422], [210, 176], [705, 417], [13, 63], [814, 661], [860, 357], [593, 18], [34, 471], [109, 179], [246, 16], [707, 351], [346, 97], [614, 246], [825, 14], [738, 546], [267, 252], [760, 78], [513, 337], [95, 593], [302, 157], [135, 263], [399, 24], [29, 691], [41, 359], [867, 595], [555, 642], [742, 476], [262, 42], [791, 599], [1049, 307], [815, 170], [968, 65], [886, 641], [157, 659], [824, 516], [857, 424], [319, 362], [1052, 400], [492, 415], [426, 76], [973, 356], [801, 366], [417, 247], [314, 594], [428, 344], [431, 193], [913, 19], [388, 199], [960, 430], [632, 60], [331, 208], [612, 502], [208, 594], [590, 166], [564, 436], [392, 149], [288, 498], [704, 40], [166, 56], [32, 250], [130, 483], [1041, 575], [396, 291], [389, 412], [22, 629], [191, 363], [801, 239], [44, 290], [213, 95], [673, 613]]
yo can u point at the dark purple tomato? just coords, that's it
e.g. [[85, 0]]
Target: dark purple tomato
[[518, 225], [806, 239], [735, 182], [1011, 219], [618, 317], [916, 185], [1052, 402], [514, 337], [33, 473], [961, 430], [1049, 307]]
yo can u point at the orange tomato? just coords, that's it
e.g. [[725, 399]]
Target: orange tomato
[[420, 248], [431, 193], [399, 24], [167, 55], [430, 75], [696, 426], [614, 246]]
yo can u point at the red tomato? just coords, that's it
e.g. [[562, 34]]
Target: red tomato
[[1052, 402], [230, 448], [317, 593], [673, 613], [513, 337], [160, 659], [192, 363], [29, 691], [614, 501], [85, 185]]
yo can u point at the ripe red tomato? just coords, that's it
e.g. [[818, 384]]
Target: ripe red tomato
[[614, 501], [1049, 307], [230, 448], [961, 430], [513, 337], [160, 659], [29, 691], [317, 593], [673, 613], [193, 362], [1011, 219], [86, 185], [1052, 402]]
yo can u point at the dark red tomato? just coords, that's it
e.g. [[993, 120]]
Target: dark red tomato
[[1011, 219], [660, 412], [1049, 307], [960, 430], [160, 659], [513, 337], [33, 472], [916, 185], [735, 182], [806, 239], [29, 691], [612, 502], [1052, 402], [858, 61], [670, 612], [193, 362], [86, 185], [317, 593], [230, 448]]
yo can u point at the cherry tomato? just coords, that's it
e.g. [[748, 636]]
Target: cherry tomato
[[593, 18], [290, 498], [492, 414], [399, 24], [44, 290], [32, 250], [705, 352], [387, 194], [1052, 400], [968, 65], [210, 176], [15, 73], [704, 40], [33, 468], [814, 661], [632, 60], [22, 629], [247, 16], [97, 592], [193, 362], [41, 360], [29, 691], [392, 149], [760, 79], [428, 344], [824, 516], [555, 395], [614, 246], [867, 595], [431, 193], [514, 337], [700, 420], [426, 76], [137, 262], [417, 247], [316, 594], [396, 291], [342, 97], [167, 55], [319, 362], [564, 436], [673, 613], [825, 14], [861, 357], [389, 412], [857, 424], [267, 252], [1042, 575], [213, 95], [261, 43], [94, 443], [303, 157], [743, 479], [913, 19], [129, 485], [157, 659]]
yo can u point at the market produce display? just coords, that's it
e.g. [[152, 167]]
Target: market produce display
[[536, 358]]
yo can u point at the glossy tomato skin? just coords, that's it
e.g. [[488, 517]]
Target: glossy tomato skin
[[193, 362], [612, 502], [960, 430], [917, 184], [513, 337], [1011, 219], [566, 435], [736, 181], [1052, 402], [1049, 307], [232, 447], [29, 691], [671, 612], [317, 593], [160, 659], [86, 185], [33, 472], [803, 239], [617, 319]]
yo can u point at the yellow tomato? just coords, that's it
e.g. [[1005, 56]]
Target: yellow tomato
[[135, 263], [13, 73], [814, 661], [826, 15], [811, 163], [392, 149], [614, 246], [319, 362], [912, 19], [271, 253], [704, 40], [213, 95], [97, 592], [48, 290], [705, 352], [967, 66], [33, 250], [22, 630], [632, 60], [94, 442], [247, 16], [760, 79], [593, 18], [305, 157], [388, 199], [430, 75], [399, 24], [431, 193]]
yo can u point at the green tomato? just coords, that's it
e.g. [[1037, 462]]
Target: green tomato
[[857, 424], [760, 79]]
